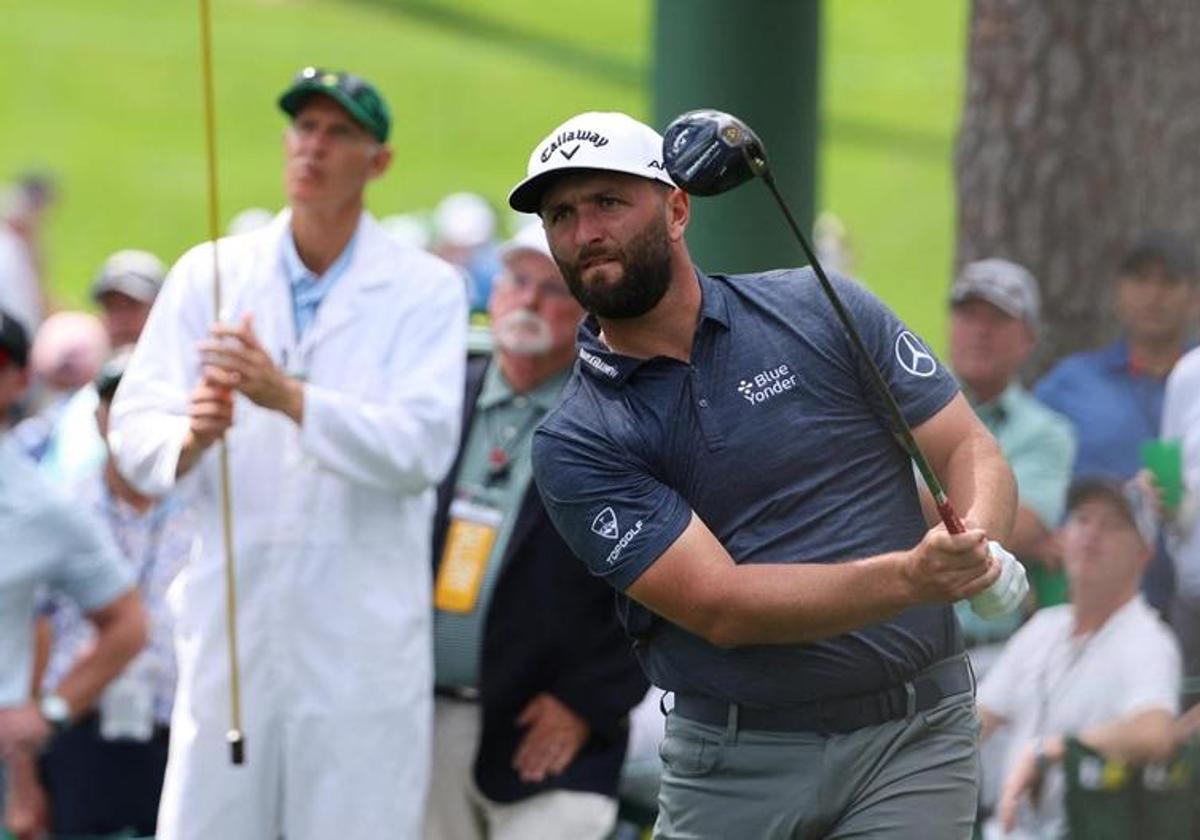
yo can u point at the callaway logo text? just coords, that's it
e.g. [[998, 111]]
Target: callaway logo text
[[578, 137], [767, 384]]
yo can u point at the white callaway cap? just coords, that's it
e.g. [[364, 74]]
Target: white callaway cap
[[609, 141]]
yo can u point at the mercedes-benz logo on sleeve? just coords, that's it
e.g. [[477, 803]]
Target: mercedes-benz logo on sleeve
[[605, 524], [913, 356]]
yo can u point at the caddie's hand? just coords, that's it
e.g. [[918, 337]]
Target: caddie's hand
[[947, 567], [244, 365], [555, 736], [1009, 590], [210, 409]]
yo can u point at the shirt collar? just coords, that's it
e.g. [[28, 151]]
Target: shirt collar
[[497, 390], [1000, 406], [299, 275], [597, 360]]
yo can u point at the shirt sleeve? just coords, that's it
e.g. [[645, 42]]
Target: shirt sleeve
[[88, 566], [1159, 676], [917, 379], [616, 517]]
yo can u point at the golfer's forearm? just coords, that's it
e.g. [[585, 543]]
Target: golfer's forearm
[[796, 603], [982, 487]]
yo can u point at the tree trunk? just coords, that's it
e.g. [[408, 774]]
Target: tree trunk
[[1080, 133]]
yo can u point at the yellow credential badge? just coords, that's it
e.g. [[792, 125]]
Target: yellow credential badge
[[469, 541]]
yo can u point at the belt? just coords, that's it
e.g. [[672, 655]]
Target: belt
[[841, 714], [457, 692]]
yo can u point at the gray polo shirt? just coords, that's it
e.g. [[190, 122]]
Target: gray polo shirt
[[45, 542], [772, 435]]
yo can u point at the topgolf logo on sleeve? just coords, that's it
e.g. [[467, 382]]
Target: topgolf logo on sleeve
[[605, 525], [914, 357]]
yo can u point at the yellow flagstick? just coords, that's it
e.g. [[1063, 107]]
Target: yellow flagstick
[[234, 736]]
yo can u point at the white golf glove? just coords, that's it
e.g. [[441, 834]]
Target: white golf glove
[[1009, 590]]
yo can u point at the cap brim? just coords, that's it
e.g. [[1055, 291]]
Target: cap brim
[[130, 285], [998, 301], [526, 197], [295, 97]]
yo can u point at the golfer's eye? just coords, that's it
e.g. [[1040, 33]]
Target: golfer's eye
[[557, 215], [608, 202]]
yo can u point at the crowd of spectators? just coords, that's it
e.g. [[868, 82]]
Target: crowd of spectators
[[1096, 662]]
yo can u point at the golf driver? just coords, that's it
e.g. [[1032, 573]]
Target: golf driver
[[709, 152]]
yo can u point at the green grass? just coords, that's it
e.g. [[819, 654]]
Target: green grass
[[111, 102]]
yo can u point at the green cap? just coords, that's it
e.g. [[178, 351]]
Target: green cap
[[356, 95]]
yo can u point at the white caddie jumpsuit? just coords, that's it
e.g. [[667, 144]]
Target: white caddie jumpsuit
[[332, 535]]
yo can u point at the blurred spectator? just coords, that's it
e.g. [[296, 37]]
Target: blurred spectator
[[411, 229], [22, 263], [103, 773], [67, 353], [464, 233], [48, 542], [1113, 396], [994, 312], [1103, 669], [535, 677], [1181, 422], [125, 289], [250, 219]]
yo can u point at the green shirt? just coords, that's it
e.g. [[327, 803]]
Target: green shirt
[[503, 423]]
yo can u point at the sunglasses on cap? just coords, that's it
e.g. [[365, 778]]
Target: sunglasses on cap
[[347, 83]]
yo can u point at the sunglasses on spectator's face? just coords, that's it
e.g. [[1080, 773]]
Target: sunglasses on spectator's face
[[347, 83]]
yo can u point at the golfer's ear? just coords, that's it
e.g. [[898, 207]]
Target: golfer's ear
[[679, 212]]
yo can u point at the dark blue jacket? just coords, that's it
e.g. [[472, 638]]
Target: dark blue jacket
[[551, 627]]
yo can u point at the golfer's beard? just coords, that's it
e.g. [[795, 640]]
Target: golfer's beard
[[646, 274], [523, 333]]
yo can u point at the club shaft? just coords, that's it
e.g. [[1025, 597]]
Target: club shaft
[[901, 429], [235, 736]]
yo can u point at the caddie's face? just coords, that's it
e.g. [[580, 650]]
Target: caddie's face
[[612, 234], [987, 345], [329, 157]]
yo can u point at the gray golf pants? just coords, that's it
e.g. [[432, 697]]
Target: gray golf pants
[[912, 778]]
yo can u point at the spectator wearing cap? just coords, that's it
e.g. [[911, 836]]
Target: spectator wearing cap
[[534, 675], [335, 374], [125, 289], [464, 234], [49, 542], [1102, 670], [994, 312], [1113, 396], [103, 773]]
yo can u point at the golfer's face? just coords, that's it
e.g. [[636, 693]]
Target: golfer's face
[[329, 157], [591, 219]]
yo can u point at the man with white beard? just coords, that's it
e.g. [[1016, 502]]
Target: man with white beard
[[534, 676]]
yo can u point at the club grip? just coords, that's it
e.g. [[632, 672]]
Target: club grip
[[949, 516], [237, 746]]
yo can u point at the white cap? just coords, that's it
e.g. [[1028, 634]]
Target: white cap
[[409, 229], [135, 274], [529, 238], [610, 142], [464, 220]]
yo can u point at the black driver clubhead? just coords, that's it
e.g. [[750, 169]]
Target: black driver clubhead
[[709, 152]]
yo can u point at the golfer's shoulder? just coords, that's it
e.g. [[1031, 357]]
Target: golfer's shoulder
[[590, 423], [794, 290]]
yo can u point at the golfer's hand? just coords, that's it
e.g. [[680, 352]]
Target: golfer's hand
[[1009, 590], [947, 567], [554, 738], [22, 729], [240, 362]]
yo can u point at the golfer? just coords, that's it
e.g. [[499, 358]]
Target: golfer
[[335, 375], [719, 459]]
